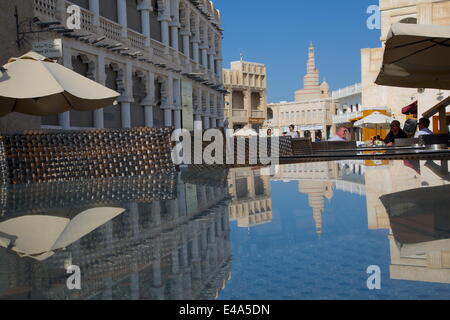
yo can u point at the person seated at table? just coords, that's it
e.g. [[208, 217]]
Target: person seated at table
[[424, 124], [395, 133], [341, 134]]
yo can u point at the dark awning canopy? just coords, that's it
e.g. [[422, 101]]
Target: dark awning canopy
[[416, 56], [410, 109], [419, 215]]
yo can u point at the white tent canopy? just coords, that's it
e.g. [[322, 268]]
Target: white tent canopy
[[375, 120], [246, 132]]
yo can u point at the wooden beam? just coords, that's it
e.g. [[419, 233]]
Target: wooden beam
[[441, 105], [443, 121]]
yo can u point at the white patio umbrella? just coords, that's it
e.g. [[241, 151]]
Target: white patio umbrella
[[39, 236], [35, 85], [246, 132], [375, 120]]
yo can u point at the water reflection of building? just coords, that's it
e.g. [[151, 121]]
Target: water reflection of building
[[432, 262], [251, 198], [251, 195], [351, 176], [155, 250], [390, 177], [317, 191]]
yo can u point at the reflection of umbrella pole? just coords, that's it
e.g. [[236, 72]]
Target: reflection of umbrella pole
[[12, 240]]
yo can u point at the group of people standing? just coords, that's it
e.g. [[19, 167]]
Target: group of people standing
[[296, 134]]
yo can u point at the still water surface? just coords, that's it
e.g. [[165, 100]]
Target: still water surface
[[300, 231]]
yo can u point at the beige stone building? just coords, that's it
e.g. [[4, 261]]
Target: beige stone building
[[163, 56], [312, 110], [251, 196], [14, 122], [246, 103], [407, 11]]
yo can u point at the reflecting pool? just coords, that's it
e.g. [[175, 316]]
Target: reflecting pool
[[350, 229]]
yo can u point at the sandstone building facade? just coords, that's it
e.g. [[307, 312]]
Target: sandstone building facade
[[405, 11], [246, 101], [163, 56]]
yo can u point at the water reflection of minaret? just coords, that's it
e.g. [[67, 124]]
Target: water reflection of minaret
[[317, 191]]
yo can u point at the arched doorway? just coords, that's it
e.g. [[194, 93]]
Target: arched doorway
[[139, 93], [269, 114], [112, 114], [81, 64]]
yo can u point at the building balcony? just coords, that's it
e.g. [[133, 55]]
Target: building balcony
[[137, 40], [240, 116], [110, 29], [347, 91], [97, 26], [240, 113], [158, 48], [257, 114], [346, 117]]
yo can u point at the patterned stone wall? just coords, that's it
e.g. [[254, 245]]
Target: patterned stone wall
[[39, 156]]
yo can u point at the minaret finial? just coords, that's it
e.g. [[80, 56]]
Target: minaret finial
[[311, 46], [242, 56]]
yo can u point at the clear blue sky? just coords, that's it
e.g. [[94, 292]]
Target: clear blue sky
[[278, 33]]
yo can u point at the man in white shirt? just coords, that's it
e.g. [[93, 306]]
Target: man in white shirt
[[341, 134], [424, 123]]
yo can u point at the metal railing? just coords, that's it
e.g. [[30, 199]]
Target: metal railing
[[137, 39], [111, 29], [45, 8], [347, 91], [87, 18]]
